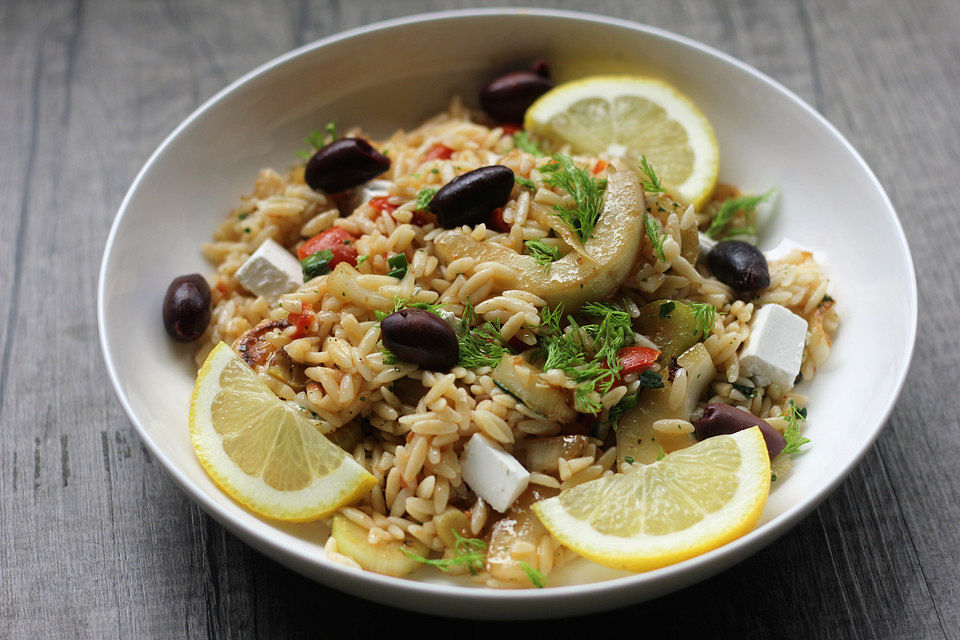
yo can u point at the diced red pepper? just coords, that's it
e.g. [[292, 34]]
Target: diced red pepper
[[510, 129], [383, 204], [341, 242], [636, 359], [497, 222], [599, 167], [438, 152], [301, 321]]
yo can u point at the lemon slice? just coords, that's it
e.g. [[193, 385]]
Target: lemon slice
[[688, 503], [267, 454], [634, 117]]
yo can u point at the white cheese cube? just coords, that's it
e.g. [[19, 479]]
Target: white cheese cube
[[706, 243], [492, 473], [271, 272], [775, 347], [371, 190]]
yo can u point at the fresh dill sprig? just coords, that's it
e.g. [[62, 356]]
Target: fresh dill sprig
[[728, 208], [655, 235], [536, 576], [525, 182], [522, 141], [648, 178], [586, 191], [425, 196], [704, 315], [543, 253], [402, 303], [481, 346], [468, 552], [794, 416], [319, 139]]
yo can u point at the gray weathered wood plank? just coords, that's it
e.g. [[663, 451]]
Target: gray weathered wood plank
[[97, 540]]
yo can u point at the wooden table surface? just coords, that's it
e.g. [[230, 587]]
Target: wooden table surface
[[96, 541]]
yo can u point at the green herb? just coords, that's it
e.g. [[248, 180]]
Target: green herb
[[825, 299], [586, 191], [704, 314], [794, 416], [748, 392], [629, 460], [399, 264], [425, 196], [648, 178], [316, 264], [667, 308], [773, 477], [535, 575], [469, 553], [525, 182], [543, 253], [247, 229], [469, 316], [728, 208], [587, 353], [482, 346], [652, 228], [362, 259], [650, 380], [402, 303], [319, 139], [661, 453], [243, 216], [618, 410], [522, 141]]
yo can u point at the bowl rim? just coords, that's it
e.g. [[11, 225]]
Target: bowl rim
[[708, 563]]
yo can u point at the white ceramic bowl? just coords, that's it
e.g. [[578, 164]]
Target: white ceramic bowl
[[393, 74]]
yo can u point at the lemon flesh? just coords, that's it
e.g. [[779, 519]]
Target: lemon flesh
[[633, 117], [688, 503], [267, 454]]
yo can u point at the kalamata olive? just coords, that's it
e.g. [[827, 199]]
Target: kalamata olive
[[422, 338], [739, 264], [472, 197], [508, 97], [721, 419], [186, 308], [343, 164]]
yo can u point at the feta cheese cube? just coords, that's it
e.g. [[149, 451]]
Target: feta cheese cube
[[492, 473], [270, 272], [775, 347]]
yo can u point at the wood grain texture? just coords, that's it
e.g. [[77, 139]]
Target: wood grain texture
[[98, 542]]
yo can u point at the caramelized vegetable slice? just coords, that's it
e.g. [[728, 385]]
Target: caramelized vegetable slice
[[387, 558], [572, 280], [505, 558], [520, 380], [670, 324], [636, 437]]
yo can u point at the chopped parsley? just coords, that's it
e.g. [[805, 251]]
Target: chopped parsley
[[522, 141], [794, 416], [704, 314], [655, 234], [667, 308], [362, 259], [468, 552], [595, 367], [399, 264], [618, 410], [243, 216], [543, 253], [525, 182], [650, 380], [586, 191], [319, 139], [748, 392], [629, 460], [316, 264], [535, 575], [661, 453], [648, 178], [728, 208], [425, 196]]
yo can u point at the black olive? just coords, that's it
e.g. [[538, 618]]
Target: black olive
[[186, 308], [422, 338], [472, 197], [719, 419], [508, 97], [343, 164], [740, 265]]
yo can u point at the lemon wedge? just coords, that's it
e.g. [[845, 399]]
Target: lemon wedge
[[633, 117], [267, 454], [688, 503]]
